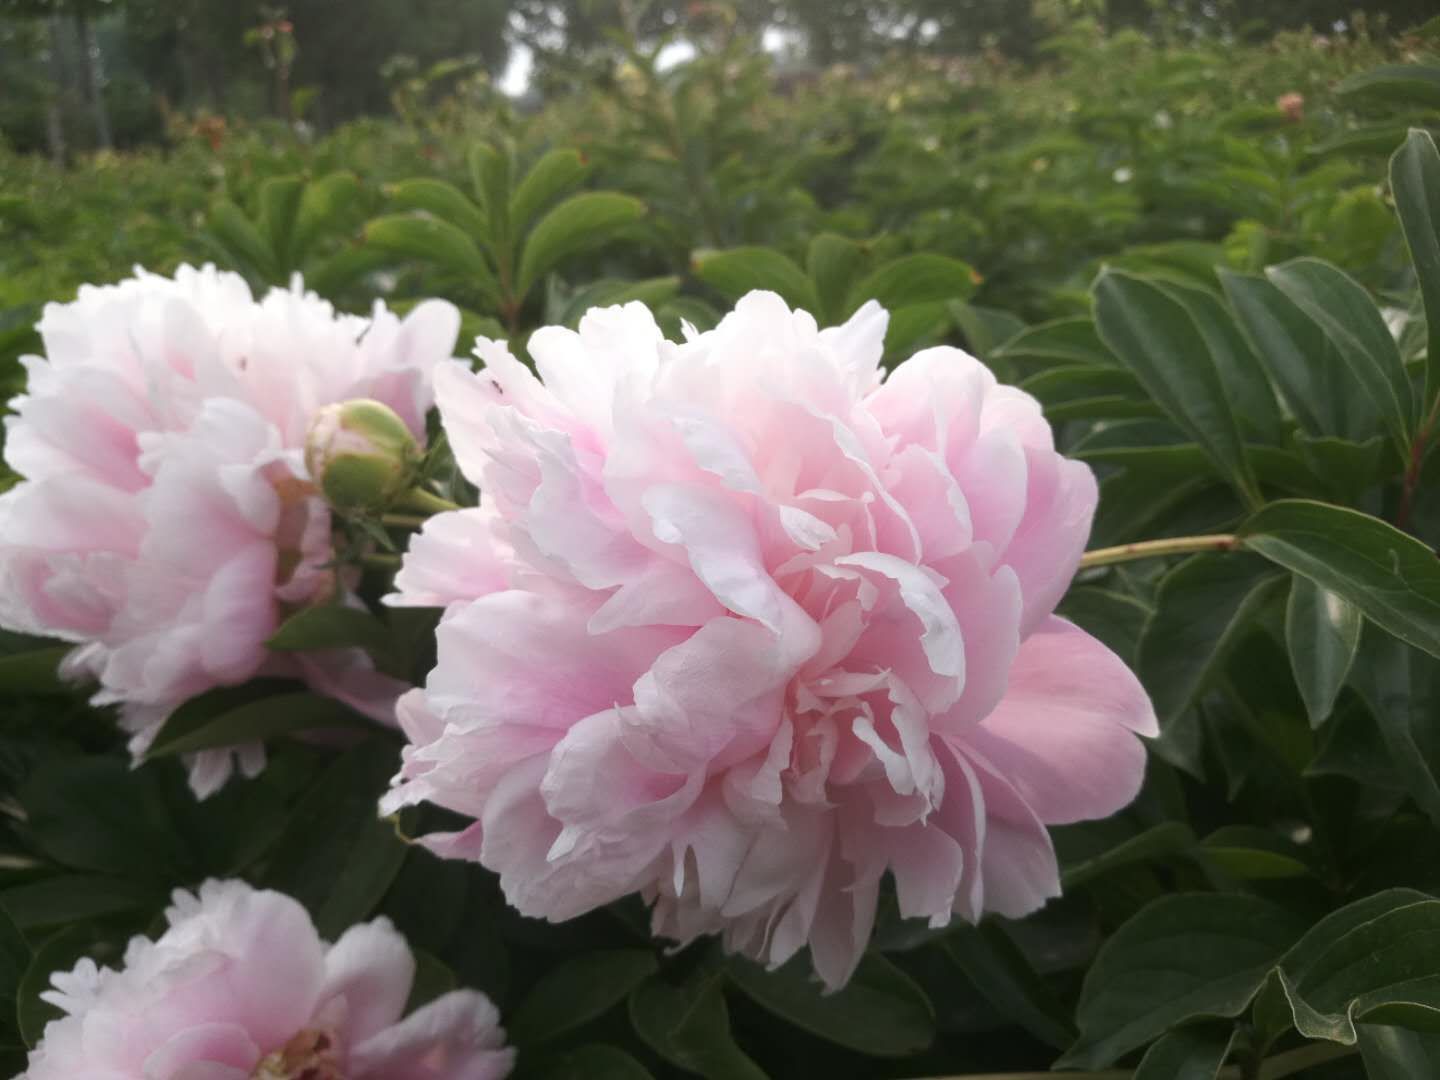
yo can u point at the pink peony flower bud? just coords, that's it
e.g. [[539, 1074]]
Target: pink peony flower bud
[[1292, 106], [166, 522], [361, 455], [241, 987], [745, 625]]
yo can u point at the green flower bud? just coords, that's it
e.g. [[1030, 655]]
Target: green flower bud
[[361, 455]]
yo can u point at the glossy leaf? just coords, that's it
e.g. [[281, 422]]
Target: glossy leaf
[[1202, 607], [253, 712], [1393, 1053], [429, 239], [1155, 337], [1392, 578], [1322, 632], [1353, 325], [578, 223], [1073, 340], [1184, 957], [1193, 1052], [689, 1025]]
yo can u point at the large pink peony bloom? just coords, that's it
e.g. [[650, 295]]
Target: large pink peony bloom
[[744, 624], [241, 986], [166, 522]]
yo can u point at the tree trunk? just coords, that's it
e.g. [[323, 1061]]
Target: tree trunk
[[55, 107], [92, 78]]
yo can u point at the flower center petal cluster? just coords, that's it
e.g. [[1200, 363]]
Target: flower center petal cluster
[[746, 625], [241, 986], [165, 520]]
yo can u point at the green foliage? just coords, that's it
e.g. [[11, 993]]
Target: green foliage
[[1217, 303]]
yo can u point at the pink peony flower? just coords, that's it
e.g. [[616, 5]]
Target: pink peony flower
[[241, 986], [744, 624], [166, 522]]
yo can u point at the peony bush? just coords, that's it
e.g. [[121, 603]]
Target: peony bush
[[797, 672]]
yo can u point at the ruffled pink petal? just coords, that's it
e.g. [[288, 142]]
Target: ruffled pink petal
[[455, 1037], [368, 974]]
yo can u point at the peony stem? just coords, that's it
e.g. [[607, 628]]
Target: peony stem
[[425, 502], [1150, 549], [1271, 1068], [403, 521]]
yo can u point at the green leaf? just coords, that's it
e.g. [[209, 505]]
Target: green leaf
[[1087, 392], [832, 263], [1322, 632], [1401, 687], [608, 292], [1155, 337], [443, 201], [1415, 181], [914, 279], [689, 1025], [1312, 378], [576, 992], [1181, 958], [593, 1062], [253, 712], [1353, 324], [1006, 980], [279, 207], [58, 953], [15, 956], [1202, 607], [1073, 340], [431, 240], [735, 272], [1194, 1052], [1386, 968], [1392, 1053], [326, 203], [1254, 854], [578, 223], [985, 329], [1240, 371], [1164, 841], [36, 672], [337, 856], [335, 272], [880, 1011], [1116, 618], [238, 237], [1396, 84], [71, 898], [552, 176], [490, 175], [330, 626], [1390, 576]]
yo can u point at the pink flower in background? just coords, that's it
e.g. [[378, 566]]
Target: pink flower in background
[[165, 521], [744, 624], [241, 986]]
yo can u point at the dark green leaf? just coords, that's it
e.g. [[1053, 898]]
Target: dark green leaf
[[1353, 324], [1007, 981], [1401, 686], [1155, 337], [1164, 841], [594, 1062], [1193, 1052], [327, 202], [330, 626], [1203, 606], [15, 956], [1415, 180], [70, 898], [35, 672], [880, 1011], [1322, 632], [238, 237], [253, 712], [1074, 340], [58, 953], [578, 991], [1183, 957], [1396, 84], [279, 207], [689, 1025], [337, 856], [1390, 576], [1253, 854], [1392, 1053]]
